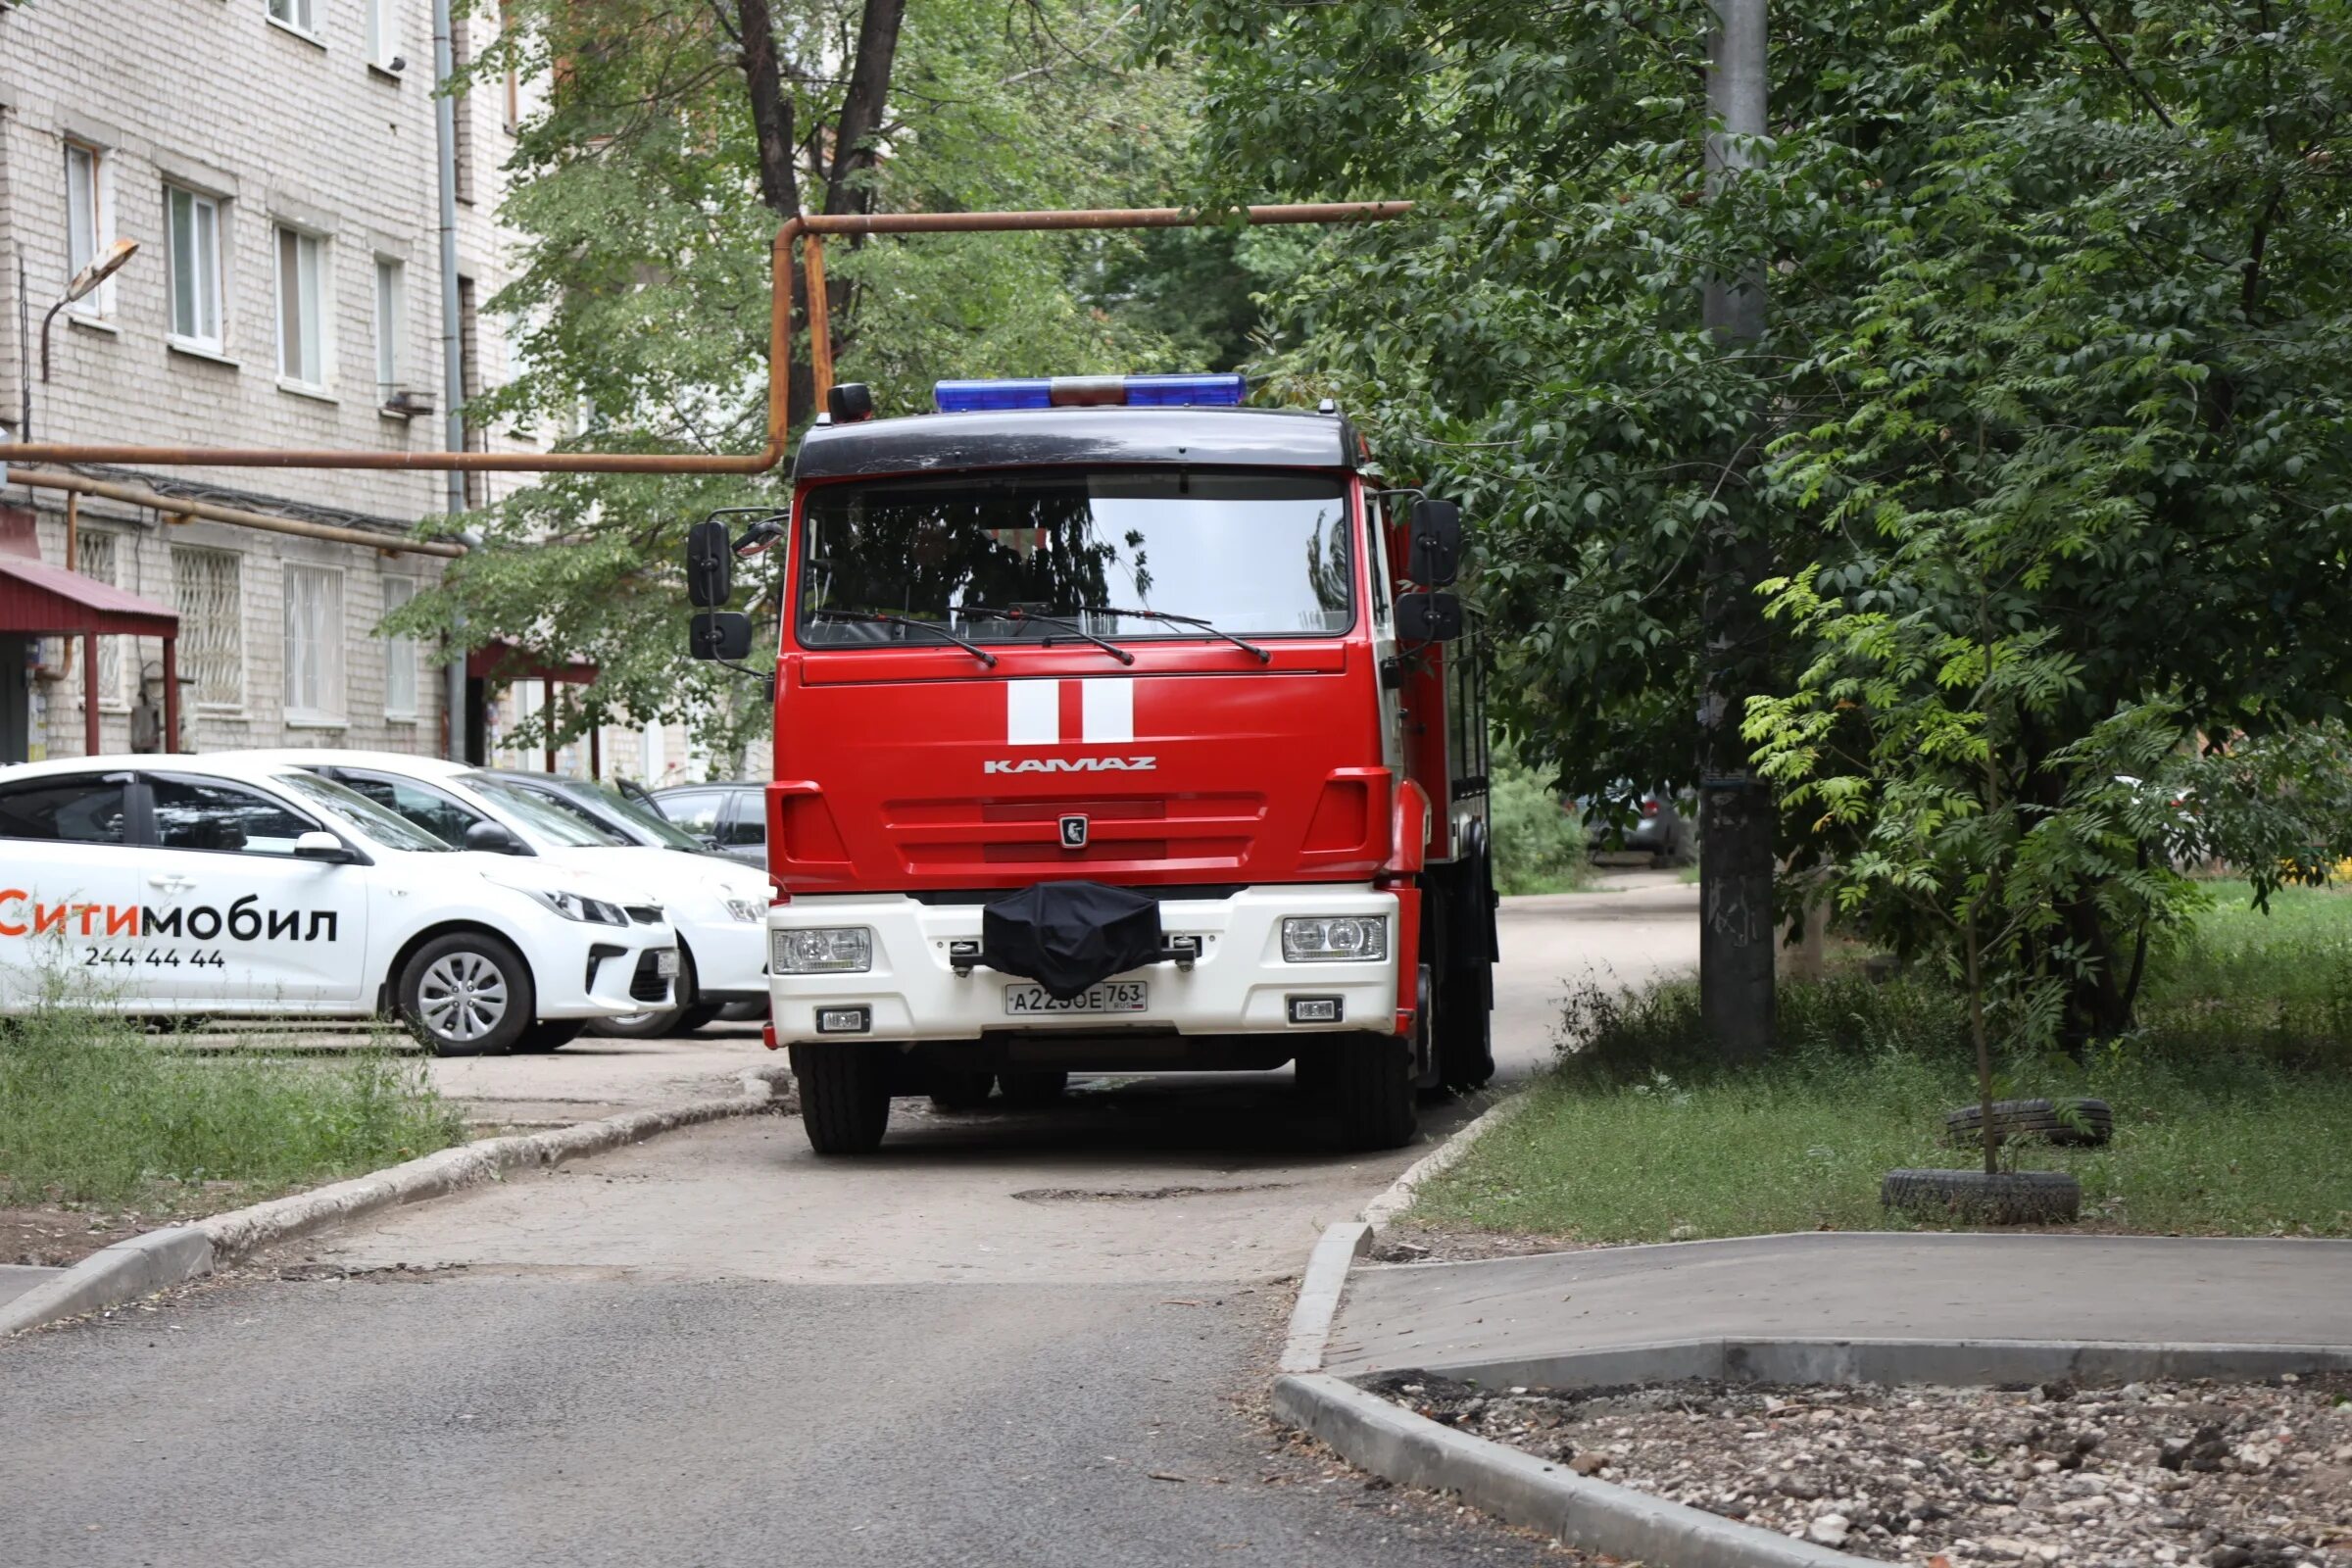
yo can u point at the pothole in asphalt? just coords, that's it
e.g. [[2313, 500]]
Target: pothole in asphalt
[[1137, 1194]]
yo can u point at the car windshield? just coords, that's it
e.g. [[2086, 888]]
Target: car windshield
[[1252, 552], [551, 821], [385, 827], [614, 806]]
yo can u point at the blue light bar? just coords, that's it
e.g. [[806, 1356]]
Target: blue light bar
[[1201, 391], [1186, 391], [981, 397]]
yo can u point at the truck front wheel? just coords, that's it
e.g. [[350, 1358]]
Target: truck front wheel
[[1369, 1084], [845, 1096]]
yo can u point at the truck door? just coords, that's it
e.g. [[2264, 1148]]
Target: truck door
[[1383, 634], [252, 925]]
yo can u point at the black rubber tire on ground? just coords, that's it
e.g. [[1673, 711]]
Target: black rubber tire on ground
[[1032, 1088], [550, 1034], [421, 992], [845, 1095], [961, 1088], [662, 1023], [1369, 1087], [2076, 1123], [1466, 1029], [1970, 1196]]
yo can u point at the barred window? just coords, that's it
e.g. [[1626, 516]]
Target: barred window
[[313, 642], [97, 561], [212, 623]]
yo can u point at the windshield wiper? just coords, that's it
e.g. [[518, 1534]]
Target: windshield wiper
[[1017, 613], [874, 619], [1263, 657]]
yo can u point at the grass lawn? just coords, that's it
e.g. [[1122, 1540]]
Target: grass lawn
[[2232, 1108], [93, 1112]]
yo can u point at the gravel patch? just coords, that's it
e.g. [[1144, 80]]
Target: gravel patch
[[2222, 1475]]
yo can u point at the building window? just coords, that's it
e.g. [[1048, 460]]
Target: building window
[[391, 327], [192, 225], [400, 655], [313, 642], [97, 560], [300, 15], [302, 308], [383, 31], [89, 220], [212, 623]]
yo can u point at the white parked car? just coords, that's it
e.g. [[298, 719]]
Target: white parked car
[[718, 908], [217, 886]]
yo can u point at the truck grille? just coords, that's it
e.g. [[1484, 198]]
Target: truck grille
[[648, 984], [1211, 832]]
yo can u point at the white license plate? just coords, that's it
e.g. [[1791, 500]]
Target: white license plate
[[1112, 996], [665, 963]]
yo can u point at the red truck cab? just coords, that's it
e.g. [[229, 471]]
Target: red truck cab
[[1110, 735]]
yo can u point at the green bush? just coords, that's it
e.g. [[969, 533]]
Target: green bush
[[1538, 843]]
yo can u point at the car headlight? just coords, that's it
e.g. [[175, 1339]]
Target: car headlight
[[752, 910], [576, 907], [823, 950], [1334, 938]]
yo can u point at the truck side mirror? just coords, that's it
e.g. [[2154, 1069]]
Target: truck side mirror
[[709, 565], [1436, 556], [721, 634], [1428, 618]]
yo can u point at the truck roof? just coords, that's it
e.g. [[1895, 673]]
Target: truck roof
[[926, 443]]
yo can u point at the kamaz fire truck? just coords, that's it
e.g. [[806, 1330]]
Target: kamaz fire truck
[[1120, 726]]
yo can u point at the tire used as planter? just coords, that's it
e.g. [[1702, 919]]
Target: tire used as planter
[[2076, 1123], [2005, 1198]]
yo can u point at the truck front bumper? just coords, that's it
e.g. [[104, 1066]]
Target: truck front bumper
[[1238, 983]]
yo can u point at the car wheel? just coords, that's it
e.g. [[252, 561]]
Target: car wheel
[[845, 1095], [961, 1088], [663, 1022], [467, 994], [1371, 1091], [551, 1034], [1028, 1090]]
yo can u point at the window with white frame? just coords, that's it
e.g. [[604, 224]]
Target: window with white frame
[[383, 31], [300, 15], [210, 592], [391, 327], [89, 220], [192, 236], [97, 560], [313, 642], [400, 655], [302, 326]]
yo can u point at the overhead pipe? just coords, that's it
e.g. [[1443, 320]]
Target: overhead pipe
[[779, 349], [179, 505]]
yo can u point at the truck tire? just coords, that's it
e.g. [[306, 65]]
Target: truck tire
[[845, 1096], [961, 1088], [467, 994], [1466, 1029], [1032, 1089], [1370, 1084]]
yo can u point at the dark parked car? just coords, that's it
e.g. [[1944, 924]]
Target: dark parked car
[[1658, 828], [730, 817]]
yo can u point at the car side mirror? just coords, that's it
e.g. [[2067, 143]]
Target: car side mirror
[[1435, 557], [494, 838], [721, 634], [319, 846], [1428, 618], [709, 565]]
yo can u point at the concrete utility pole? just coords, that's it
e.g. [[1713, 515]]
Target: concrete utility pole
[[1735, 809]]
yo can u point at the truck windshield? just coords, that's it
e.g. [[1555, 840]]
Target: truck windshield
[[1249, 551]]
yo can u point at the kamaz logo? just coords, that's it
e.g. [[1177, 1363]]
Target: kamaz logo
[[1071, 765]]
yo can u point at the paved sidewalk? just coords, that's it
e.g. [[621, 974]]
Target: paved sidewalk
[[2101, 1288]]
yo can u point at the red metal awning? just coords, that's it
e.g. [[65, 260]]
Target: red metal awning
[[45, 601]]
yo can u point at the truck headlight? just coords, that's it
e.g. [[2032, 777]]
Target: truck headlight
[[823, 950], [1334, 938], [574, 906]]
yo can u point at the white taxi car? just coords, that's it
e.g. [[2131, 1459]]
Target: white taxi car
[[717, 907], [169, 884]]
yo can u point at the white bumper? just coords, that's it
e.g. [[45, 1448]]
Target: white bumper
[[729, 956], [578, 972], [1239, 984]]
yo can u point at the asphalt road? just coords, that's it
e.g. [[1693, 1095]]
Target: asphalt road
[[1008, 1339]]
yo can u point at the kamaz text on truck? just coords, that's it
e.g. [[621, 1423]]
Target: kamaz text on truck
[[1118, 727]]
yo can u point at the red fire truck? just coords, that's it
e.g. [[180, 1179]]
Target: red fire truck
[[1120, 726]]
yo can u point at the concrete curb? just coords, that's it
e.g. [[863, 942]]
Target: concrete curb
[[1319, 1293], [1397, 1197], [1521, 1490], [144, 1264]]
